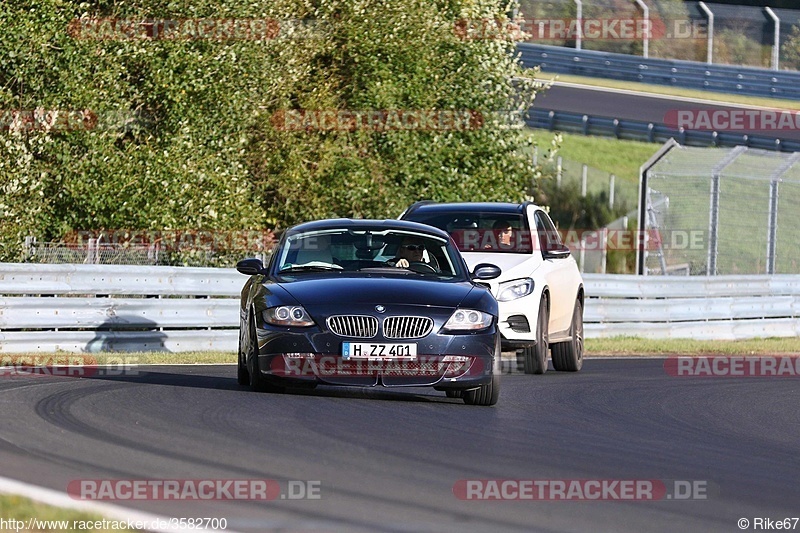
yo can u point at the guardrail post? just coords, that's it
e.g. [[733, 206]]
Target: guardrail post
[[551, 120], [651, 133], [615, 123], [585, 121]]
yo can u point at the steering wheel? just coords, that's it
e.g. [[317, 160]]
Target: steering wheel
[[419, 266]]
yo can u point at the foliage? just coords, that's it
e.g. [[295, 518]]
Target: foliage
[[185, 137]]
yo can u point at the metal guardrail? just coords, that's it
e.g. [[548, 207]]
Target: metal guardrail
[[650, 131], [689, 74], [697, 307], [46, 308]]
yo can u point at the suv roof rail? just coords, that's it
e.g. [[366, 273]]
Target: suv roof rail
[[415, 205]]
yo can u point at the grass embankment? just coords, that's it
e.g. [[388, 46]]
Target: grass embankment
[[655, 347], [594, 347], [37, 516]]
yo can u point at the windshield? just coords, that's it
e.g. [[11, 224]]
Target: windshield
[[481, 231], [368, 250]]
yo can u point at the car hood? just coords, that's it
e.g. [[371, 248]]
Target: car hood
[[506, 262], [345, 290]]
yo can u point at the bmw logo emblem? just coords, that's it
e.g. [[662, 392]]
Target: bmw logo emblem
[[380, 308]]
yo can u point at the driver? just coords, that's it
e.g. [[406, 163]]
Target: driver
[[410, 251]]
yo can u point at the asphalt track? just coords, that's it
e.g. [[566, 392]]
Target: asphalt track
[[388, 460], [623, 105]]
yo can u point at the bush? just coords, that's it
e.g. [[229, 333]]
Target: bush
[[184, 133]]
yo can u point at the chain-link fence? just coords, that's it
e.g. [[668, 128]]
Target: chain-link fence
[[692, 30], [710, 211], [187, 253]]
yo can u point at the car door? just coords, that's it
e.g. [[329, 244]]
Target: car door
[[558, 273]]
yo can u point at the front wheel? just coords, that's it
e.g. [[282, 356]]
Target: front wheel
[[486, 394], [534, 358], [242, 374], [568, 356], [257, 381]]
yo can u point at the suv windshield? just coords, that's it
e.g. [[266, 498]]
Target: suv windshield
[[475, 231]]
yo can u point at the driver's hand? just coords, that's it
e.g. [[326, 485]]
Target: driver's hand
[[402, 263]]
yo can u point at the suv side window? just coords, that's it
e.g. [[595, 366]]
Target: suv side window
[[549, 239]]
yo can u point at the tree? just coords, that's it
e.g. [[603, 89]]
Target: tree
[[182, 132]]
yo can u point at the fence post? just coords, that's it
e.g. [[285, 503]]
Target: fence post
[[710, 42], [611, 187], [776, 37], [713, 211], [558, 172], [604, 252], [584, 177], [772, 227], [29, 247]]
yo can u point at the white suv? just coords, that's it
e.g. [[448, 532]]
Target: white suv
[[540, 291]]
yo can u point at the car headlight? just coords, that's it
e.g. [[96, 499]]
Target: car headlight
[[468, 320], [288, 315], [511, 290]]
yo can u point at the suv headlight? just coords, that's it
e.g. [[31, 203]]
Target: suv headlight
[[511, 290], [468, 320], [288, 315]]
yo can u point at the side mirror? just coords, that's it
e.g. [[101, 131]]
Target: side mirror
[[250, 266], [486, 271], [560, 252]]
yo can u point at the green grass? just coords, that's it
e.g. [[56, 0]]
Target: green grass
[[639, 346], [614, 156], [22, 509], [674, 91], [119, 358], [610, 346]]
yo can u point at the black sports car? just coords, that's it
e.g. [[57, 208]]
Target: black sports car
[[368, 303]]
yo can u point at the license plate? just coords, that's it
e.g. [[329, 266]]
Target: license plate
[[378, 351]]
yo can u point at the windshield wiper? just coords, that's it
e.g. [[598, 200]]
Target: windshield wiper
[[309, 268]]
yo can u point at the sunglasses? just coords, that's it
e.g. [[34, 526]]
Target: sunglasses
[[414, 247]]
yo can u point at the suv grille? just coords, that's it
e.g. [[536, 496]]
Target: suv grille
[[407, 327], [362, 326]]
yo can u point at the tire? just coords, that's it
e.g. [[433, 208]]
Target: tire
[[489, 393], [242, 374], [568, 356], [485, 394], [257, 381], [535, 357], [453, 393]]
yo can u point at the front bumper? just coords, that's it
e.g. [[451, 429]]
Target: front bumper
[[444, 361]]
